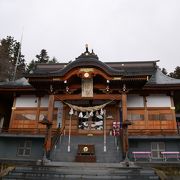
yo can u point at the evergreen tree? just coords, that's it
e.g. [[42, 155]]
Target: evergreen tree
[[53, 61], [5, 59], [42, 57], [18, 59], [31, 66], [164, 71], [176, 73], [9, 49], [171, 74]]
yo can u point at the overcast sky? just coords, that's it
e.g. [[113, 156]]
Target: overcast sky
[[117, 30]]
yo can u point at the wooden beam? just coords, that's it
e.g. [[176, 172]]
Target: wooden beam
[[50, 119], [38, 111], [12, 112], [173, 112], [50, 108], [124, 117], [95, 86], [96, 96], [124, 106], [145, 112]]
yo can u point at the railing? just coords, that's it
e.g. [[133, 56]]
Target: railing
[[170, 155], [152, 132], [141, 155], [165, 155], [42, 131], [28, 131]]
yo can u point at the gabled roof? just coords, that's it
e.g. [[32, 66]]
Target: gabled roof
[[130, 68], [78, 63], [91, 60]]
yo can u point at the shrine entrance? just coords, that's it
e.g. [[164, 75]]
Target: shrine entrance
[[92, 121], [90, 116]]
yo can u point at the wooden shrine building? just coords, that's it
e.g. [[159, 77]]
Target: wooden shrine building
[[89, 111]]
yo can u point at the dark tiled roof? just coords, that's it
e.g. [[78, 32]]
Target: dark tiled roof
[[79, 62], [159, 78], [112, 68], [88, 62], [22, 82]]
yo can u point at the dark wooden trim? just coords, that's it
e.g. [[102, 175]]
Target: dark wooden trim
[[145, 111], [173, 111], [96, 96], [158, 108], [48, 141], [124, 117], [38, 110], [12, 113]]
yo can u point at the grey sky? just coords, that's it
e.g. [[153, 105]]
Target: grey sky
[[117, 30]]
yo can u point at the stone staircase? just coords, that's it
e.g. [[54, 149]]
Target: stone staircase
[[112, 154], [62, 165], [77, 171]]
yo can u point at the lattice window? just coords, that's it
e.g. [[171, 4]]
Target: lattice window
[[160, 116], [24, 148], [133, 117], [156, 149]]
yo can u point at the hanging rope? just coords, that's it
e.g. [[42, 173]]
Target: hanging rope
[[87, 109]]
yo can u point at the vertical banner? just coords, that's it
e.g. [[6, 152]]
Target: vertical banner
[[116, 128]]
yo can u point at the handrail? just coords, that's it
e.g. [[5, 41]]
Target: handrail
[[153, 132], [42, 131], [31, 131], [142, 155], [170, 154]]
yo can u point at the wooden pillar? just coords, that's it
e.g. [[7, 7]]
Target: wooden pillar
[[69, 138], [105, 131], [12, 113], [125, 141], [50, 108], [124, 117], [173, 111], [49, 128], [124, 106], [145, 112], [38, 111]]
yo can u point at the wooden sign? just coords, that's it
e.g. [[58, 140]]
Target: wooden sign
[[87, 87]]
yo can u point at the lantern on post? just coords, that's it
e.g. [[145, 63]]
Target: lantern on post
[[125, 125], [47, 141]]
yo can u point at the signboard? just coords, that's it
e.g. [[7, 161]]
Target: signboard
[[87, 87]]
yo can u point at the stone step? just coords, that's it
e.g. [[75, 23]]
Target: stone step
[[83, 177], [60, 153], [80, 172]]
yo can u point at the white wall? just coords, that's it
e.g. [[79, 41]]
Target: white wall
[[134, 100], [44, 101], [26, 101], [158, 100]]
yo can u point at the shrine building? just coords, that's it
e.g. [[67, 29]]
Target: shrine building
[[88, 110]]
